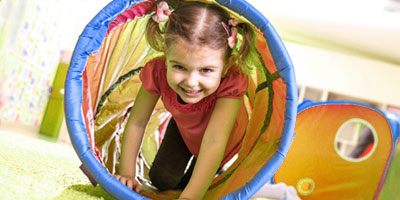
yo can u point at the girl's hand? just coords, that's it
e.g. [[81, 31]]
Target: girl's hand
[[131, 183]]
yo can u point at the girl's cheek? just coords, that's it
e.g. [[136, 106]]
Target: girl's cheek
[[174, 77], [212, 82]]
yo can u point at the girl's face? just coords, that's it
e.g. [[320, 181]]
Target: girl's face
[[194, 72]]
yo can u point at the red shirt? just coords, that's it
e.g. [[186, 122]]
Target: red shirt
[[192, 119]]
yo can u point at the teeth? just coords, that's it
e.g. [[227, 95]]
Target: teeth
[[191, 91]]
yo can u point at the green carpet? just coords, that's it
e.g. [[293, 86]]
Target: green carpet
[[33, 168]]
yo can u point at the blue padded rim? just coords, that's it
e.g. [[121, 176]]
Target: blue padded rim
[[90, 42]]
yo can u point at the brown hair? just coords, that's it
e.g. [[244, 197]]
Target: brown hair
[[199, 23]]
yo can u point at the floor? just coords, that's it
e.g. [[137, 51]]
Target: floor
[[37, 167]]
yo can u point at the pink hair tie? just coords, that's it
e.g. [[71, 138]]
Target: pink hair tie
[[162, 12], [232, 32]]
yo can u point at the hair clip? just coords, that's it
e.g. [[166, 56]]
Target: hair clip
[[162, 12], [232, 32], [228, 32]]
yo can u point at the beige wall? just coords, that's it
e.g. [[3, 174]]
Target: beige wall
[[350, 48], [347, 74]]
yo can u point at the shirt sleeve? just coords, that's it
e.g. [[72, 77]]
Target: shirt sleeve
[[234, 85], [150, 77]]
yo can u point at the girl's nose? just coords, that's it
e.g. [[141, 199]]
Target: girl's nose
[[191, 80]]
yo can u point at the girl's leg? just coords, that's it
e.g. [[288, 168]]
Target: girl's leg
[[171, 161], [185, 179]]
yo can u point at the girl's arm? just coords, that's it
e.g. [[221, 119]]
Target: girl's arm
[[133, 136], [212, 147]]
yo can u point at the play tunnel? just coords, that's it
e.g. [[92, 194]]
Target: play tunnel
[[102, 83]]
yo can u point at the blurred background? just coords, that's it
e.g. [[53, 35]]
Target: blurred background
[[36, 42], [343, 49], [340, 50]]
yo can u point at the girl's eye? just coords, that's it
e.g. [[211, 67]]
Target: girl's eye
[[206, 70], [178, 67]]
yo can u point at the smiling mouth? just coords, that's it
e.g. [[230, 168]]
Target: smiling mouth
[[191, 93]]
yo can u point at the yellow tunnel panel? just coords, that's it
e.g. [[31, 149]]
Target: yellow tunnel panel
[[315, 168]]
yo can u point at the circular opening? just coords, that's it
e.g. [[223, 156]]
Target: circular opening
[[356, 140], [305, 186]]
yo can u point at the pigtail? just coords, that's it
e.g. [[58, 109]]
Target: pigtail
[[242, 53], [155, 29], [154, 35], [246, 47], [247, 42]]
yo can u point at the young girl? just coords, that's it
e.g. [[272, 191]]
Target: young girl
[[202, 84]]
